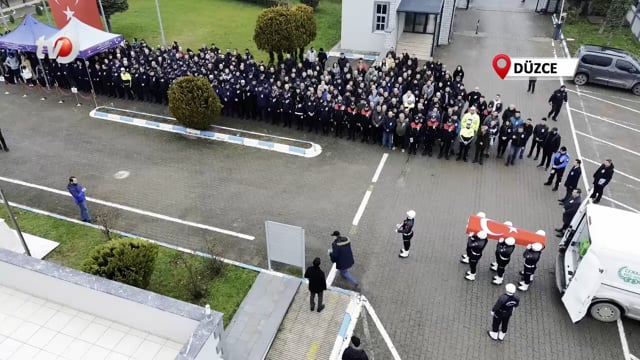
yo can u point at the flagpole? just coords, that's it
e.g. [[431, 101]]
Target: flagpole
[[104, 17], [44, 7], [4, 19], [164, 42]]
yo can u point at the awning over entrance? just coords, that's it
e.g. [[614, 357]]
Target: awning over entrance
[[420, 6]]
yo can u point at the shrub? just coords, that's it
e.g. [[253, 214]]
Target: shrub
[[214, 266], [193, 102], [196, 275], [311, 3], [129, 261]]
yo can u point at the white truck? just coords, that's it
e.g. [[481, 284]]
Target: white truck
[[599, 271]]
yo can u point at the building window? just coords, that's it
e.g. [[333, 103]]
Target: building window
[[381, 16]]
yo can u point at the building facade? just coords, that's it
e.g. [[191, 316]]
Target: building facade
[[413, 26]]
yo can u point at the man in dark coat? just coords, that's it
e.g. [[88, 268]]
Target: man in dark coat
[[556, 100], [571, 207], [572, 180], [550, 145], [317, 283], [341, 254], [540, 132], [354, 351], [482, 141], [601, 178]]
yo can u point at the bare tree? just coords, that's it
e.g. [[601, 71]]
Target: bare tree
[[106, 218]]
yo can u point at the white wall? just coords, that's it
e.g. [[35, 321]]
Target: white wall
[[357, 26], [110, 307], [212, 349]]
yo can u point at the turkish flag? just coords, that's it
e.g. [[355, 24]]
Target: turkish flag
[[496, 230], [83, 10]]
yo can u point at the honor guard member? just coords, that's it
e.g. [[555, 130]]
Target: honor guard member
[[464, 258], [298, 112], [351, 115], [406, 229], [447, 135], [531, 258], [475, 245], [502, 311], [504, 249], [325, 115], [311, 109], [415, 128], [431, 133]]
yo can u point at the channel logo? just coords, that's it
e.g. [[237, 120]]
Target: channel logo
[[63, 49], [521, 68]]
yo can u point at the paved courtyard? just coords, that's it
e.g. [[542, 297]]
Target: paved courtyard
[[429, 310]]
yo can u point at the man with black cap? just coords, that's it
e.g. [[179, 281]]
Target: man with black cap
[[354, 351], [556, 100], [341, 254], [502, 311], [317, 283], [540, 132]]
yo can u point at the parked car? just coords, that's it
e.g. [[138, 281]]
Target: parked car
[[607, 66]]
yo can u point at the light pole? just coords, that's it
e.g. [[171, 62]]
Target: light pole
[[164, 42], [46, 11], [104, 17]]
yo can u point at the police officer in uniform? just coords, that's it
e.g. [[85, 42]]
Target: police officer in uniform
[[466, 136], [475, 245], [502, 311], [406, 229], [430, 134], [504, 249], [531, 258], [447, 134]]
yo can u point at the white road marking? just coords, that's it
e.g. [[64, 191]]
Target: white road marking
[[122, 174], [363, 205], [133, 210], [381, 329], [573, 129], [633, 357], [606, 120], [606, 101], [610, 96], [608, 143], [623, 340], [617, 171], [380, 166], [621, 204]]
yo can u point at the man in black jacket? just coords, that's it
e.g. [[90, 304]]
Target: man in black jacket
[[601, 178], [571, 207], [317, 283], [572, 180], [556, 100], [502, 311], [354, 351], [482, 141], [540, 132], [550, 145], [518, 141]]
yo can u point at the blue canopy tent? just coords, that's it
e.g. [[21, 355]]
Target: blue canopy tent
[[24, 37]]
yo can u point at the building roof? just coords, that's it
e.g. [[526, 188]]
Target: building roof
[[420, 6]]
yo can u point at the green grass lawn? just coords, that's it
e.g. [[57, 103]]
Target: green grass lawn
[[225, 293], [584, 32], [227, 23]]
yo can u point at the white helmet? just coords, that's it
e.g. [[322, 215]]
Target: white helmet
[[510, 241], [536, 247], [501, 240], [511, 289], [482, 234], [411, 214], [508, 223], [481, 214], [541, 233]]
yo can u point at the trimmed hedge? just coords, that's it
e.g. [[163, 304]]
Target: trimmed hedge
[[193, 102], [129, 261]]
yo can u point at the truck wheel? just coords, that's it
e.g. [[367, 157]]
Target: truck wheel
[[636, 89], [580, 79], [605, 311]]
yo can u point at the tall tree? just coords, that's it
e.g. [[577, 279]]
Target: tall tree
[[111, 7], [274, 32], [305, 25], [615, 18]]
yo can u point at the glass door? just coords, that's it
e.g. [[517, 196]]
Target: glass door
[[420, 23], [408, 21]]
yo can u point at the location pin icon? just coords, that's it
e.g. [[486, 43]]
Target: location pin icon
[[502, 71]]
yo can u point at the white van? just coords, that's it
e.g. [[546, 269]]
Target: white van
[[600, 270]]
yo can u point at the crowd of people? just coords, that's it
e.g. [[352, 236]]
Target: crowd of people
[[394, 103]]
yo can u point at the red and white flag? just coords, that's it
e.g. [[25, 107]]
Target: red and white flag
[[496, 230], [83, 10]]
